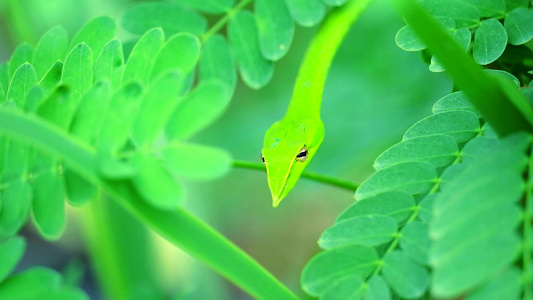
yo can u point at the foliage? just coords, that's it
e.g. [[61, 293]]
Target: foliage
[[447, 213]]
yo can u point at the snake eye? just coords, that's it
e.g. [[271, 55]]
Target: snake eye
[[302, 155], [262, 158]]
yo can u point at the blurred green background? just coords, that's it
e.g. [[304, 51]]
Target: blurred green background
[[374, 92]]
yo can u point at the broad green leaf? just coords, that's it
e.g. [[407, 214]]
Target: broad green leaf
[[11, 251], [216, 62], [398, 205], [120, 117], [275, 28], [328, 267], [463, 13], [490, 41], [483, 212], [64, 293], [23, 81], [155, 182], [22, 54], [404, 276], [518, 25], [415, 241], [141, 60], [48, 204], [198, 110], [413, 178], [181, 52], [463, 37], [197, 161], [16, 162], [489, 8], [112, 167], [460, 125], [110, 64], [52, 78], [504, 74], [30, 284], [335, 2], [306, 13], [5, 77], [350, 287], [255, 70], [505, 285], [16, 201], [51, 47], [59, 108], [2, 94], [377, 289], [78, 71], [426, 208], [172, 18], [95, 34], [79, 191], [407, 40], [35, 97], [207, 6], [156, 108], [88, 118], [452, 102], [438, 150], [373, 230], [512, 4]]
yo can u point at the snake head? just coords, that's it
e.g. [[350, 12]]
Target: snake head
[[288, 148]]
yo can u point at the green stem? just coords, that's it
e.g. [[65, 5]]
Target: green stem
[[340, 183], [500, 103], [177, 226], [218, 25]]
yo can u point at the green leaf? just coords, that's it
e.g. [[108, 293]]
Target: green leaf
[[328, 267], [426, 208], [16, 201], [350, 287], [88, 119], [79, 191], [197, 161], [2, 94], [490, 41], [141, 60], [120, 117], [188, 47], [504, 74], [156, 108], [39, 279], [398, 205], [198, 110], [377, 289], [407, 40], [22, 54], [208, 6], [452, 102], [23, 81], [15, 168], [78, 71], [518, 25], [504, 285], [95, 34], [275, 28], [110, 64], [482, 212], [460, 125], [52, 78], [335, 2], [59, 108], [438, 150], [415, 241], [216, 62], [65, 293], [11, 251], [255, 70], [155, 182], [463, 37], [373, 230], [414, 178], [404, 276], [306, 13], [489, 8], [512, 4], [48, 206], [172, 18], [464, 14], [51, 47], [5, 77], [35, 98]]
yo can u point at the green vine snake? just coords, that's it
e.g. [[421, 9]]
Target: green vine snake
[[291, 143]]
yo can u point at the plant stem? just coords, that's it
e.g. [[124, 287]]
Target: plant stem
[[177, 226], [340, 183], [218, 25]]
